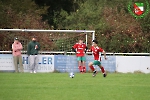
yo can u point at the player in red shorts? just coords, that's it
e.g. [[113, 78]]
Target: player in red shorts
[[80, 49], [96, 50]]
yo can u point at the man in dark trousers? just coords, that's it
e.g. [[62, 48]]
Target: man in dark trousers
[[32, 51]]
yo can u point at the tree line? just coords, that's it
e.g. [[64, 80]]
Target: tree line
[[116, 29]]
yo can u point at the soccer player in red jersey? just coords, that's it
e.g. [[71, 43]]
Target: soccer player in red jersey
[[80, 49], [96, 50]]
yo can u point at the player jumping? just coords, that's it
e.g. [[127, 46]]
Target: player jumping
[[80, 49], [96, 50]]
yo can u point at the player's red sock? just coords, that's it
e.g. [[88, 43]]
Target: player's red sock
[[92, 68], [80, 68], [84, 69], [102, 69]]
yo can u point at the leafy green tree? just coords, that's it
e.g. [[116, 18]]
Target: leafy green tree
[[24, 15], [112, 21], [116, 29], [55, 7]]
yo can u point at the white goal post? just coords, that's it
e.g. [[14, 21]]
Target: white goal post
[[67, 31], [40, 30], [60, 39]]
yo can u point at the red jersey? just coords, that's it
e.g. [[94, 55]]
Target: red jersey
[[80, 49], [96, 51]]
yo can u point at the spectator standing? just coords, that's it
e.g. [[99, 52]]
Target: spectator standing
[[17, 57], [32, 51]]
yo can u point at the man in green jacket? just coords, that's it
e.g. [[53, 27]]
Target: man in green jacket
[[33, 48]]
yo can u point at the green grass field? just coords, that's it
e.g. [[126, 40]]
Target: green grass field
[[59, 86]]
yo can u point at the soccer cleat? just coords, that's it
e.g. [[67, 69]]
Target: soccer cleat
[[94, 73], [84, 69], [104, 75], [81, 72]]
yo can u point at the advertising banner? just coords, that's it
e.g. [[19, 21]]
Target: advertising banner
[[45, 63]]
